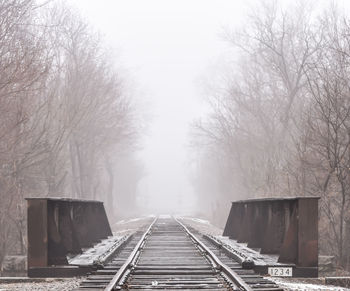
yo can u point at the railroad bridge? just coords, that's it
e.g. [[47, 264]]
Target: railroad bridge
[[262, 238]]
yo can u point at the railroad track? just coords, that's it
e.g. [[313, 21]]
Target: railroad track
[[169, 256]]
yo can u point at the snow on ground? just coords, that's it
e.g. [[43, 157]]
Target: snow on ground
[[200, 220], [48, 284], [203, 226], [164, 216], [128, 226], [303, 285], [134, 219]]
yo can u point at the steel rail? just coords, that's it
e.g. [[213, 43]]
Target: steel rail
[[107, 256], [223, 267], [129, 263], [245, 261]]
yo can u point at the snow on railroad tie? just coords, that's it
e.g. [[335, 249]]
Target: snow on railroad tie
[[97, 254]]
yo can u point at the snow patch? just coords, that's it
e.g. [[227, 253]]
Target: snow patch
[[199, 220], [292, 286], [164, 216], [133, 219]]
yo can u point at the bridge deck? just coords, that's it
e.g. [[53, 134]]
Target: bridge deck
[[169, 256]]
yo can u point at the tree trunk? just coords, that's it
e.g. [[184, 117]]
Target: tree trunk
[[346, 262], [110, 189]]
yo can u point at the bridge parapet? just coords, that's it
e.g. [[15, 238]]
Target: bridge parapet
[[287, 227], [58, 227]]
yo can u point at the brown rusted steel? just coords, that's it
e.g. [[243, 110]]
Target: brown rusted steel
[[37, 233], [58, 227], [287, 227]]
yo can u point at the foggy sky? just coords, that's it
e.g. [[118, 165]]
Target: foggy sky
[[166, 48]]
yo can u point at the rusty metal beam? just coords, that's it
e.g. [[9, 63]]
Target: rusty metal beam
[[287, 227], [59, 226]]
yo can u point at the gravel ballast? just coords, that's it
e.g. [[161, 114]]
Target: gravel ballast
[[66, 284]]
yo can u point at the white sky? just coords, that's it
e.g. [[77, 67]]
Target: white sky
[[166, 46]]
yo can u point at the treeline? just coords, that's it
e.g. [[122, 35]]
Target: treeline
[[66, 116], [280, 120]]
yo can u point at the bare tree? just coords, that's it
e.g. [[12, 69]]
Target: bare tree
[[282, 120], [330, 124], [256, 118], [64, 112]]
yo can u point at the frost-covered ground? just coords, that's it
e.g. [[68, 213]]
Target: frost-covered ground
[[45, 285], [202, 225], [128, 226], [295, 284], [292, 284], [305, 284]]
